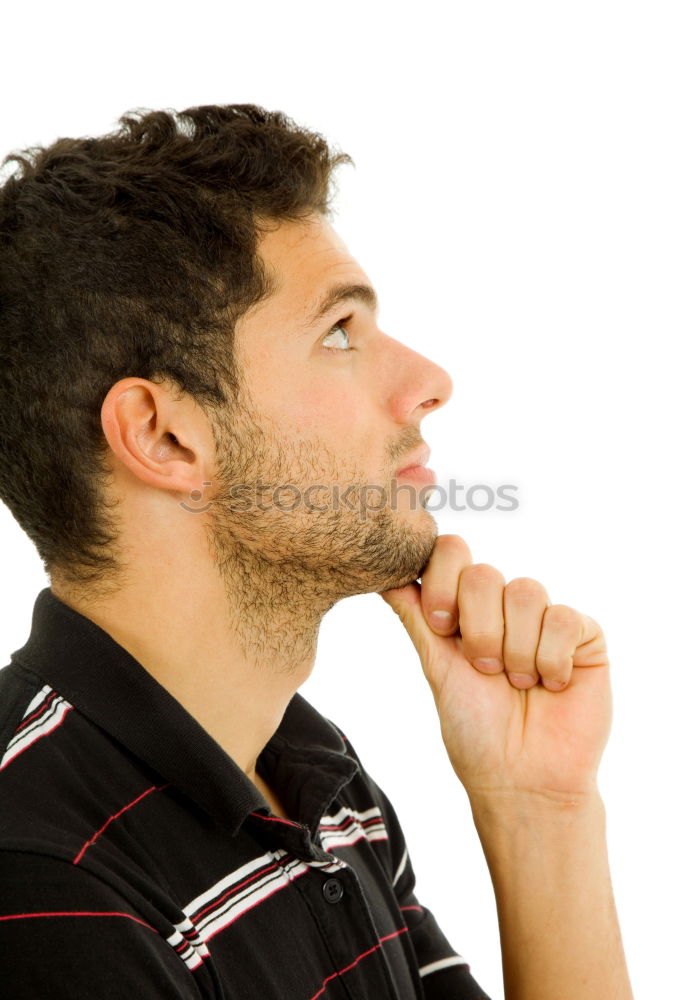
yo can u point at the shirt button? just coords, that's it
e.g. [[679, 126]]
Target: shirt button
[[332, 890]]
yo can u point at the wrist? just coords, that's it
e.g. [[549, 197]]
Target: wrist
[[540, 839], [509, 807]]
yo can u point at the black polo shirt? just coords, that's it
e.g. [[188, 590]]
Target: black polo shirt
[[138, 861]]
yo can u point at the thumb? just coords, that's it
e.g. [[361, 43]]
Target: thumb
[[407, 604]]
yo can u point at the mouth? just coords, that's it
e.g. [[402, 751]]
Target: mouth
[[418, 473], [416, 468]]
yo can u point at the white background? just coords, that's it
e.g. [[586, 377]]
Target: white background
[[525, 201]]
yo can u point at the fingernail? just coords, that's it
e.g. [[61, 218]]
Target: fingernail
[[488, 664], [442, 619], [522, 680], [554, 685]]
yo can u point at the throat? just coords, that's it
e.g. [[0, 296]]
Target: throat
[[272, 798]]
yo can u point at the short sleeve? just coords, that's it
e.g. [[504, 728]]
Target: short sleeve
[[66, 934], [445, 974]]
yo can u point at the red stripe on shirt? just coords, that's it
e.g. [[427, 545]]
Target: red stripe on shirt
[[37, 738], [344, 825], [78, 913], [94, 836], [252, 906], [352, 819], [274, 819], [236, 888], [356, 961], [42, 708]]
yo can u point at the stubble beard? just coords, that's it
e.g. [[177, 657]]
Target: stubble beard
[[284, 569]]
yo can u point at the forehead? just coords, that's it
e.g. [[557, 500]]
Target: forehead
[[304, 259]]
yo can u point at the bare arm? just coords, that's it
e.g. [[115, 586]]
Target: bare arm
[[559, 932]]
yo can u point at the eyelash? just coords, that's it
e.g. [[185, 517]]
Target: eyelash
[[338, 350]]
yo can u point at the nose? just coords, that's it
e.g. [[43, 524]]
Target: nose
[[418, 385]]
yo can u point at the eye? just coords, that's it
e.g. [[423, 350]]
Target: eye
[[339, 328]]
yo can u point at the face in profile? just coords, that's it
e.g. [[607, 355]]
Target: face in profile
[[329, 410]]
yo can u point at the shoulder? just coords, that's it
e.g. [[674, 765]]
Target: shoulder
[[60, 774], [64, 926]]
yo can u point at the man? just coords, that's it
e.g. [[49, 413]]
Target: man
[[196, 404]]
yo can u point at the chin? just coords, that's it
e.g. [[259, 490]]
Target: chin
[[419, 539], [419, 519]]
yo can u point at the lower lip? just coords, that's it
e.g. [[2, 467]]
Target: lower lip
[[419, 473]]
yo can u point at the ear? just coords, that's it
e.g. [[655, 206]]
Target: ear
[[163, 440]]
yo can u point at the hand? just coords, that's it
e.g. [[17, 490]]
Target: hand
[[500, 735]]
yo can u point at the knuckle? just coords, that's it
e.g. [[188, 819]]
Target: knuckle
[[453, 544], [595, 628], [563, 617], [523, 590], [481, 575]]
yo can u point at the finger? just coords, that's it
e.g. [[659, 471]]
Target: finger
[[440, 583], [562, 631], [406, 603], [481, 616], [592, 648], [525, 601]]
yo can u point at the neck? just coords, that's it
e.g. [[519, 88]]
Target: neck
[[232, 645]]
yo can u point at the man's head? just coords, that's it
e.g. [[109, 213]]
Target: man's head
[[161, 340]]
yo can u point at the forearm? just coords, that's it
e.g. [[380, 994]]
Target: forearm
[[559, 931]]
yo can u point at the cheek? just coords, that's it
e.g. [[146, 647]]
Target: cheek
[[343, 420], [331, 409]]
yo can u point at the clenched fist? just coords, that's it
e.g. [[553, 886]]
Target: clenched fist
[[521, 685]]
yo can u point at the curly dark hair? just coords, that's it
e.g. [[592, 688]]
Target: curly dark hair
[[131, 254]]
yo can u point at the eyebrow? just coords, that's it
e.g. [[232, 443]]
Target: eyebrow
[[341, 293]]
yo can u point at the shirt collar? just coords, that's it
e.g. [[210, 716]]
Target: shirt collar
[[104, 682]]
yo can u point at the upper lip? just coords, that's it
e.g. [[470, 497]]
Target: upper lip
[[419, 457]]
